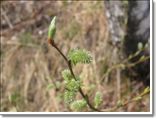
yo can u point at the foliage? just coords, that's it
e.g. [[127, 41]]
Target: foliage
[[97, 99], [71, 85], [79, 56], [69, 96], [78, 105], [66, 75]]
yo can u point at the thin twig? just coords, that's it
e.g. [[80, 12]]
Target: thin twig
[[123, 65], [135, 99], [7, 19]]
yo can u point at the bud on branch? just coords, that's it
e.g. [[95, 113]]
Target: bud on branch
[[52, 30]]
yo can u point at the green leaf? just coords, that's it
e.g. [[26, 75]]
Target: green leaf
[[52, 29], [78, 105], [69, 96], [97, 99], [79, 56]]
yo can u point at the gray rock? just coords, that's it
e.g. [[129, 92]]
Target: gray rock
[[138, 30]]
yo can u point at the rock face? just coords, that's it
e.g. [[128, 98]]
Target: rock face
[[116, 13], [138, 26], [137, 30]]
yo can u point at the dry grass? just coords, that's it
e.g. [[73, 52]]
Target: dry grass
[[29, 64]]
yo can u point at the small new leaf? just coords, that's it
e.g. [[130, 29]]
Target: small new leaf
[[78, 105], [97, 99], [52, 29], [79, 56]]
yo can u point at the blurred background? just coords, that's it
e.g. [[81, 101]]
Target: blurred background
[[30, 68]]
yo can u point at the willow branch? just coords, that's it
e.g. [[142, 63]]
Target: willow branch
[[51, 42]]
